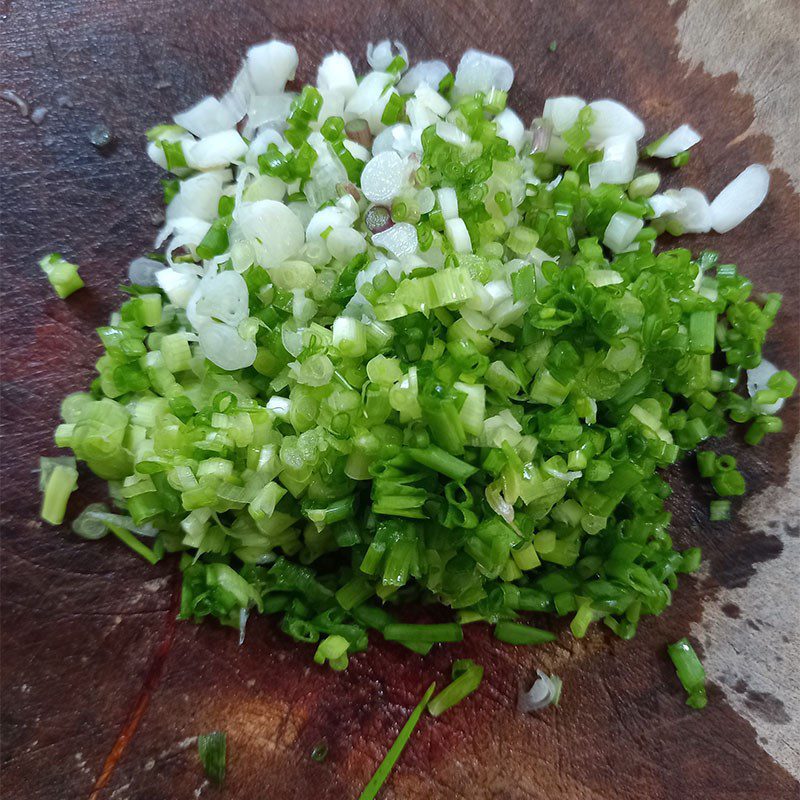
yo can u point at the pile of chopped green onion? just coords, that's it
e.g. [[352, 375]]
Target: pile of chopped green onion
[[398, 346]]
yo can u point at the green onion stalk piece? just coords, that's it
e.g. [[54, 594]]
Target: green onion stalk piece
[[62, 275], [467, 676], [690, 672], [211, 748], [390, 759], [545, 691], [59, 481]]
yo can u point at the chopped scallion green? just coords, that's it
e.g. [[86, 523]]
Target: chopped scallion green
[[467, 676], [690, 672], [211, 748], [62, 275], [418, 355], [390, 759]]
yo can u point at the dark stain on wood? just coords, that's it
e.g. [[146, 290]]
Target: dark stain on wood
[[767, 706], [731, 610], [83, 623]]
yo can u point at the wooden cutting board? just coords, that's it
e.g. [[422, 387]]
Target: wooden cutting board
[[103, 692]]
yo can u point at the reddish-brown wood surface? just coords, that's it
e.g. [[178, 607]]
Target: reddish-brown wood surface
[[101, 689]]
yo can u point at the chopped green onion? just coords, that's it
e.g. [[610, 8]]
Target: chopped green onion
[[127, 538], [701, 331], [62, 275], [173, 152], [427, 634], [333, 649], [690, 672], [461, 380], [393, 109], [467, 676], [761, 427], [319, 752], [644, 185], [515, 633], [719, 510], [690, 560], [707, 464], [441, 461], [729, 484], [60, 484], [390, 759], [211, 748]]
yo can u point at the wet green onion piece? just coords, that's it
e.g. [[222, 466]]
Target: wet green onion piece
[[467, 676], [211, 748], [319, 752], [60, 484], [690, 672], [719, 510], [127, 538], [516, 633], [424, 634], [62, 275], [390, 759]]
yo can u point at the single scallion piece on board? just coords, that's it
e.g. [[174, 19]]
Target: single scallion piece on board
[[545, 691], [515, 633], [63, 275], [390, 759], [211, 748], [59, 481], [467, 676], [429, 634], [690, 672], [719, 510]]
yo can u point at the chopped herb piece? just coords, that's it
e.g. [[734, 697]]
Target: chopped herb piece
[[173, 152], [514, 633], [62, 275], [390, 759], [690, 672], [467, 676], [211, 747], [59, 481], [720, 510], [319, 752]]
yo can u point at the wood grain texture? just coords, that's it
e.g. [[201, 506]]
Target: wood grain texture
[[758, 40], [101, 691]]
